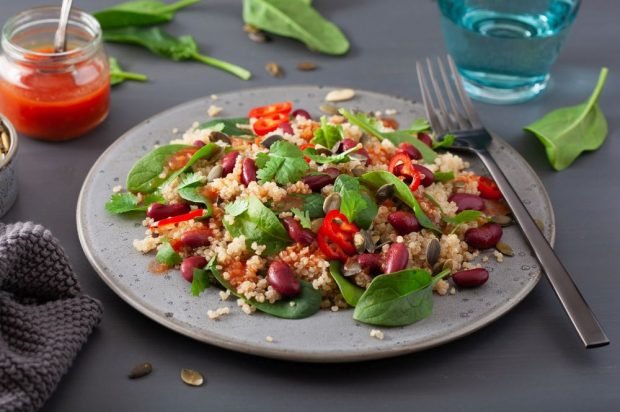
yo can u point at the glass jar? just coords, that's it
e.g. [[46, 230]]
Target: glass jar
[[47, 95]]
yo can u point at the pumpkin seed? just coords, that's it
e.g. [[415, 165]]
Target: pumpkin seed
[[258, 37], [360, 242], [248, 28], [306, 66], [540, 224], [437, 267], [332, 202], [505, 249], [351, 267], [369, 244], [502, 220], [384, 193], [140, 370], [215, 173], [340, 95], [192, 377], [316, 224], [274, 69], [268, 141], [433, 250], [359, 170], [329, 109], [220, 137]]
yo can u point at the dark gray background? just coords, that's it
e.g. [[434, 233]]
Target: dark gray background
[[531, 359]]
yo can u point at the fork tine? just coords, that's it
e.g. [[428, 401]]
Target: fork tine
[[459, 118], [465, 100], [439, 96], [436, 124]]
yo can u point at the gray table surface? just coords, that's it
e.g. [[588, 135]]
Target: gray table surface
[[531, 359]]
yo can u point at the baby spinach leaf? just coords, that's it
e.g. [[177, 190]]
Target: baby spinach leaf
[[465, 216], [128, 202], [303, 216], [139, 13], [312, 203], [296, 19], [378, 178], [207, 151], [327, 135], [306, 304], [569, 131], [117, 75], [228, 126], [167, 255], [144, 176], [258, 224], [419, 125], [176, 48], [444, 176], [350, 292], [445, 143], [356, 205], [284, 163], [200, 281]]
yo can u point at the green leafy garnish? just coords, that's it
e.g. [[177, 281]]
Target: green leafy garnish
[[139, 13], [312, 203], [355, 204], [257, 223], [327, 135], [167, 255], [445, 143], [207, 151], [200, 281], [419, 125], [117, 75], [176, 48], [303, 216], [189, 189], [284, 163], [378, 178], [343, 157], [444, 176], [296, 19], [569, 131], [229, 126], [398, 299], [465, 216], [128, 202], [145, 175], [350, 292]]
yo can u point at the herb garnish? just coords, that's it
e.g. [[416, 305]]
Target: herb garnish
[[327, 135], [167, 255], [118, 76], [128, 202], [284, 163], [303, 216], [356, 205], [139, 13]]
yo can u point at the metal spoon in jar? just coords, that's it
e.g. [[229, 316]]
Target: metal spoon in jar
[[60, 38]]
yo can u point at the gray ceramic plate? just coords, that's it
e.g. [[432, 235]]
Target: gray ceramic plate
[[327, 336]]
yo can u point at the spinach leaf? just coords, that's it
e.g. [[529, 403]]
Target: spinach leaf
[[378, 178], [207, 151], [284, 163], [128, 202], [327, 135], [350, 292], [444, 176], [369, 126], [228, 126], [296, 19], [356, 205], [189, 189], [343, 157], [465, 216], [303, 216], [258, 224], [445, 143], [139, 13], [419, 125], [167, 255], [569, 131], [176, 48], [397, 299], [144, 176], [306, 304], [200, 281], [312, 204], [117, 75]]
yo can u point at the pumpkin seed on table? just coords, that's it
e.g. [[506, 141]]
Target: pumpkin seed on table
[[340, 95], [505, 249], [274, 69], [140, 370], [306, 66], [192, 377]]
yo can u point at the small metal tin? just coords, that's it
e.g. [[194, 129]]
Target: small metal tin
[[8, 170]]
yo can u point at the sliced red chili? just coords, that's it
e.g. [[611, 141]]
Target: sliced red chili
[[339, 230], [488, 188], [281, 107], [331, 250], [304, 147], [194, 214], [269, 123], [401, 166]]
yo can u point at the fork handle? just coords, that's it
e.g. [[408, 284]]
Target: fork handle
[[588, 328]]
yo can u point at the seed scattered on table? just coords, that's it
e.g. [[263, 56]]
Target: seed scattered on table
[[192, 377], [248, 28], [504, 248], [259, 37], [269, 339], [274, 69], [340, 95], [140, 370], [214, 110], [377, 334], [306, 66]]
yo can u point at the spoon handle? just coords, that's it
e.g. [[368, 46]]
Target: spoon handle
[[60, 38]]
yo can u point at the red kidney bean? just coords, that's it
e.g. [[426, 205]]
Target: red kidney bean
[[189, 264], [196, 238], [228, 162], [465, 201], [281, 278], [286, 128], [426, 139], [158, 211], [396, 258], [471, 278], [198, 143], [297, 232], [484, 237], [317, 182], [302, 113], [347, 144], [409, 150], [370, 263], [428, 177], [404, 222], [332, 172], [248, 171]]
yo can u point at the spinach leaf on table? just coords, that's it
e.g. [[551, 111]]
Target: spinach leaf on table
[[139, 13], [228, 126], [144, 176], [163, 44], [118, 76], [355, 204], [569, 131], [378, 178], [284, 163], [350, 292], [258, 224], [128, 202], [296, 19]]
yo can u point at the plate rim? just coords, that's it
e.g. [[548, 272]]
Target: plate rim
[[333, 356]]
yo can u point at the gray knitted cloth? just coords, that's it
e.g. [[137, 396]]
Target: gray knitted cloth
[[44, 319]]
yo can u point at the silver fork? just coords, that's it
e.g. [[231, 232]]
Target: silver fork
[[462, 121]]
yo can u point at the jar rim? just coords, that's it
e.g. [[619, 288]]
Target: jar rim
[[50, 14]]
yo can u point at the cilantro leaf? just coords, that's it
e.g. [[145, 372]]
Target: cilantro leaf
[[303, 216], [284, 163], [327, 135], [191, 179], [356, 205], [128, 202], [200, 281], [167, 255]]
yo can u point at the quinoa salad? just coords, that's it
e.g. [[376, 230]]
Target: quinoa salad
[[291, 214]]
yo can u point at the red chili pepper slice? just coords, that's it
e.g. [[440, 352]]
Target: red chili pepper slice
[[488, 188], [281, 107], [337, 228], [180, 218], [401, 166], [269, 123], [304, 147], [331, 250]]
